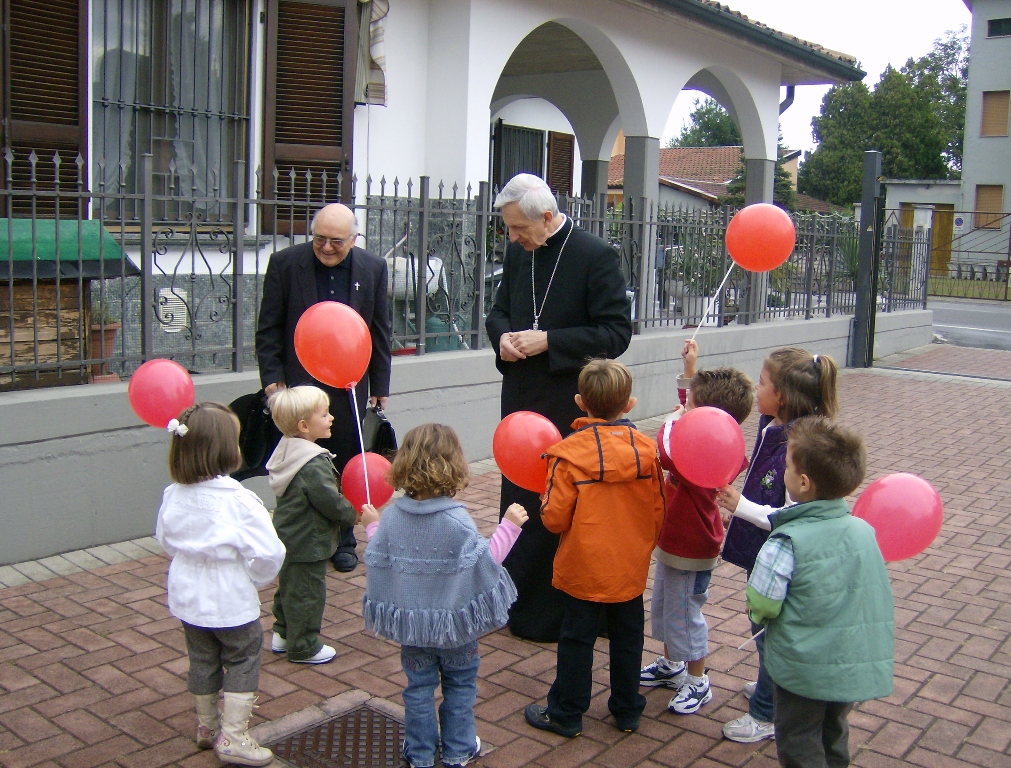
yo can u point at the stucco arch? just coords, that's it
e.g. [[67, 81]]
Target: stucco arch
[[733, 94]]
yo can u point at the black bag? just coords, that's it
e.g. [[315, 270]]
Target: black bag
[[258, 435], [377, 432]]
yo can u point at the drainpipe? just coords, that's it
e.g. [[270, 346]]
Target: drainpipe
[[788, 101]]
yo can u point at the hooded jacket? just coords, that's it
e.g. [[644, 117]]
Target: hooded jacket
[[605, 497], [310, 509]]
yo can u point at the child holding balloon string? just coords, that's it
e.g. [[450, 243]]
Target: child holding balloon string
[[689, 546], [223, 549], [435, 585], [309, 515], [793, 383]]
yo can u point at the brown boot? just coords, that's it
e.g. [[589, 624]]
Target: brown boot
[[234, 744], [207, 719]]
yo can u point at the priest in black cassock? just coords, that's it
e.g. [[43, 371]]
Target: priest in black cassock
[[561, 302]]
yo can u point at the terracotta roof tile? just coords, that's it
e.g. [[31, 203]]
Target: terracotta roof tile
[[808, 203], [686, 164]]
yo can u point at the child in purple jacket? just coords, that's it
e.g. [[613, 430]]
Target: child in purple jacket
[[793, 383]]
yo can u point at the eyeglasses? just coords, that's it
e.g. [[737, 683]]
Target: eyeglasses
[[335, 242]]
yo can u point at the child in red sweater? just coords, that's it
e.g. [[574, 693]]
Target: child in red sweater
[[687, 552]]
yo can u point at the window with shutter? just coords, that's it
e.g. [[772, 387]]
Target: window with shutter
[[516, 150], [995, 113], [989, 203], [42, 83], [561, 151], [311, 60]]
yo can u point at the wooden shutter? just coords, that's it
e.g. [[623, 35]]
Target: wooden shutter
[[989, 202], [995, 113], [561, 152], [311, 60], [44, 85]]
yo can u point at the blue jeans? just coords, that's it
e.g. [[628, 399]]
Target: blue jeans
[[760, 707], [458, 670]]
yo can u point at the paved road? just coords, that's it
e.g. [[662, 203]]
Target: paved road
[[973, 323]]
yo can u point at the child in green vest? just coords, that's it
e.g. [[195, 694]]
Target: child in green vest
[[821, 589]]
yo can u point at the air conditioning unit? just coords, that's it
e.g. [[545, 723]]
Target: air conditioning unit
[[173, 313]]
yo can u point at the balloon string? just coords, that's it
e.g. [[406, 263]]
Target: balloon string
[[755, 636], [361, 441], [712, 301]]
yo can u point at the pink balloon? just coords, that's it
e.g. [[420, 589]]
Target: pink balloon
[[707, 447], [521, 438], [905, 512], [353, 480], [159, 391]]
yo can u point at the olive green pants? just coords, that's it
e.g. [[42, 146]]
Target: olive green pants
[[298, 607]]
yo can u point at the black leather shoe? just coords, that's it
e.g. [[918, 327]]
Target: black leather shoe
[[537, 716], [345, 562]]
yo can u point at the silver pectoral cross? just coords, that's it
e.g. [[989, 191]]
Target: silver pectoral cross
[[535, 325], [357, 285]]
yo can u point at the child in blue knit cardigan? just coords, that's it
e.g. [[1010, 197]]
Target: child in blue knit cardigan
[[435, 585]]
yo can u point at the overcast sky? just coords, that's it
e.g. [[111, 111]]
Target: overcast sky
[[876, 32]]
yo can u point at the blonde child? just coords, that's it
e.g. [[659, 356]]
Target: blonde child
[[793, 384], [435, 585], [223, 548], [309, 515]]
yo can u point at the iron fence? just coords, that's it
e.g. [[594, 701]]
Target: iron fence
[[970, 252], [95, 281]]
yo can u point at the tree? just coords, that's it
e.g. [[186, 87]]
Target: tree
[[942, 75], [897, 118], [710, 125], [783, 194]]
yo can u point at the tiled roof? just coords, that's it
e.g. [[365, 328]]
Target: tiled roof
[[843, 57], [808, 203], [686, 164]]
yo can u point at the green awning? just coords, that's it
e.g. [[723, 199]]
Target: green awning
[[86, 248]]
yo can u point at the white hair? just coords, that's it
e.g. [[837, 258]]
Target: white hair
[[531, 193]]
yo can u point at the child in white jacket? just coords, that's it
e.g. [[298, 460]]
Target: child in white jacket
[[223, 547]]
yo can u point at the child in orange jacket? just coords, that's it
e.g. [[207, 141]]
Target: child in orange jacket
[[605, 497]]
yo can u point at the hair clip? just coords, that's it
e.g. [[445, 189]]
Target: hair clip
[[816, 359], [176, 428]]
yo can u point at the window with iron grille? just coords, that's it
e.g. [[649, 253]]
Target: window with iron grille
[[170, 79]]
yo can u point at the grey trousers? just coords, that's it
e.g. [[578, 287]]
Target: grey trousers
[[811, 733], [226, 659]]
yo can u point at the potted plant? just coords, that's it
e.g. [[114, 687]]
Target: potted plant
[[103, 341]]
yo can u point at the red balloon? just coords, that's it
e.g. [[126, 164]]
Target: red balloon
[[159, 391], [353, 480], [333, 344], [905, 512], [760, 237], [707, 447], [520, 440]]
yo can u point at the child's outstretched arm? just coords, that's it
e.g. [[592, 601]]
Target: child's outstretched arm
[[507, 531], [770, 580], [690, 356]]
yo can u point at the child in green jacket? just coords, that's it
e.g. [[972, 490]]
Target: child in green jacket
[[822, 591], [309, 515]]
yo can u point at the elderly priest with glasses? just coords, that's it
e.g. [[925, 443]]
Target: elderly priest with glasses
[[327, 268], [561, 302]]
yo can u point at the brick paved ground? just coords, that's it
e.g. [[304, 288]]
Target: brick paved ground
[[92, 667], [991, 363]]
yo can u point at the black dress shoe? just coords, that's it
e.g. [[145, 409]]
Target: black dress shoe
[[345, 562], [537, 716]]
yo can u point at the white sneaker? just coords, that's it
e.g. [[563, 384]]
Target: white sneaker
[[278, 644], [323, 655], [748, 730], [663, 672], [749, 689], [691, 696]]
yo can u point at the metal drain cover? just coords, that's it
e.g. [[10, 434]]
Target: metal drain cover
[[363, 738]]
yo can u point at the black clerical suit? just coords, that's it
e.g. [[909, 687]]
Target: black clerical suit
[[586, 315], [291, 285]]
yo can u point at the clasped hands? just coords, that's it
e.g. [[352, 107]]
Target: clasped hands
[[520, 345]]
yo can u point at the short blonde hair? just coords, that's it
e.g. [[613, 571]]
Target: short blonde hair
[[288, 406], [430, 462], [605, 386]]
